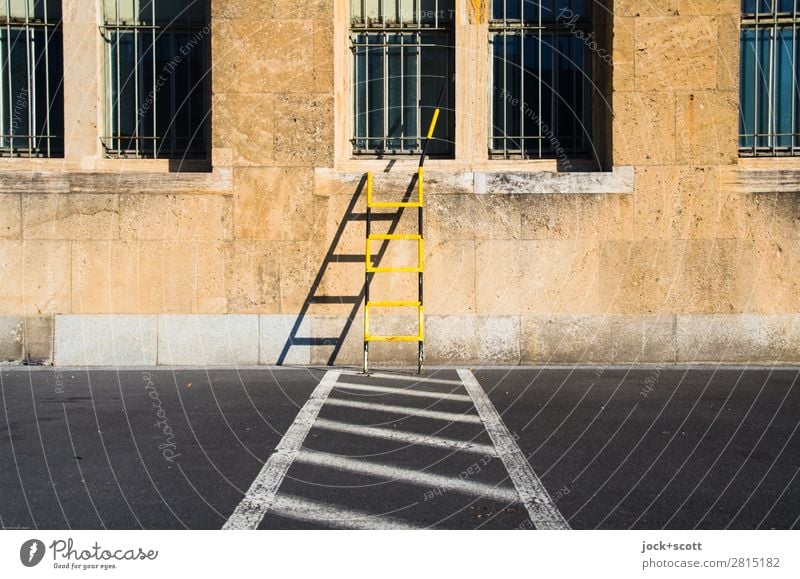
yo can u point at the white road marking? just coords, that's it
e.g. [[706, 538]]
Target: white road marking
[[404, 436], [403, 391], [261, 494], [416, 379], [313, 512], [406, 410], [540, 506], [419, 478]]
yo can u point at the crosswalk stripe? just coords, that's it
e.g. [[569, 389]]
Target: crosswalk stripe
[[403, 377], [406, 410], [306, 510], [403, 392], [540, 506], [261, 494], [419, 478], [404, 436]]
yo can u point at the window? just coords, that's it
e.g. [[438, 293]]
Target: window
[[402, 60], [540, 78], [156, 74], [769, 96], [31, 96]]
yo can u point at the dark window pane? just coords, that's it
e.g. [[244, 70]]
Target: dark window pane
[[768, 93], [395, 95], [498, 9], [541, 79], [157, 81], [360, 92], [763, 124], [530, 96], [31, 97], [769, 7], [435, 77], [160, 12], [784, 68], [375, 110], [747, 102], [498, 91], [512, 95], [30, 10], [410, 98]]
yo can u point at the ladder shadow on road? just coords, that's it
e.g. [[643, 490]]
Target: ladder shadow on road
[[351, 215]]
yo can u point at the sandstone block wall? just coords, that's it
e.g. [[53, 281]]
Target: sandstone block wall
[[682, 253]]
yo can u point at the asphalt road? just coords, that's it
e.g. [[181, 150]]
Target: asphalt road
[[616, 448]]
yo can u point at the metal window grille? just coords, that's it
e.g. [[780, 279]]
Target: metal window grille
[[769, 96], [31, 96], [402, 57], [156, 75], [541, 78]]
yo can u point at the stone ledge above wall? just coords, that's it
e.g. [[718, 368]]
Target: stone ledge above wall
[[249, 340], [218, 182]]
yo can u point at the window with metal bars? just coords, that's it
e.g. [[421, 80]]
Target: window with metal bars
[[769, 96], [156, 74], [31, 95], [402, 59], [541, 78]]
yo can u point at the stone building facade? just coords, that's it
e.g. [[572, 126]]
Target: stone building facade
[[673, 249]]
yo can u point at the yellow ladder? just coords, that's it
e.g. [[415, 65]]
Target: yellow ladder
[[372, 269]]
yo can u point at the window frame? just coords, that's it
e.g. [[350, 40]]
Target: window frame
[[29, 27], [168, 147], [385, 27], [470, 103], [771, 21], [539, 28]]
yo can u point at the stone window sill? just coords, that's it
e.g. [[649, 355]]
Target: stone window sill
[[410, 163], [63, 179], [617, 181], [443, 178], [102, 165]]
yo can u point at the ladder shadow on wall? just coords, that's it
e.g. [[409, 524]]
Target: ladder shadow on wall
[[304, 320]]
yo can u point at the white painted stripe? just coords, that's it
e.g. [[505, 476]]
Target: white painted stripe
[[406, 410], [403, 377], [405, 436], [403, 391], [419, 478], [540, 506], [334, 516], [261, 494]]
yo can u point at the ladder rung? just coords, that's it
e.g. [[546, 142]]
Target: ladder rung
[[395, 237], [394, 204], [420, 313], [397, 204], [394, 270], [393, 338], [419, 268]]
